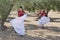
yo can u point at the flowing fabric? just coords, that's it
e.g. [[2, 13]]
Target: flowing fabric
[[44, 20], [18, 24]]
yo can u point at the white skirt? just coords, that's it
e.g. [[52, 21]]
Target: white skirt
[[18, 24], [44, 20]]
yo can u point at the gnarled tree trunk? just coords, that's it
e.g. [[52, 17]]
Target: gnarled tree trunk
[[2, 26]]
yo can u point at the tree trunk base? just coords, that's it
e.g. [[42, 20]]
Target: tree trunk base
[[3, 27]]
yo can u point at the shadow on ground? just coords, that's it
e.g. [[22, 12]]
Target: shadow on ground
[[31, 27], [50, 37], [53, 28], [26, 20], [9, 18], [55, 19], [9, 34], [31, 15], [34, 27]]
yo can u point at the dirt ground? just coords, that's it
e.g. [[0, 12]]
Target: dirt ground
[[33, 30]]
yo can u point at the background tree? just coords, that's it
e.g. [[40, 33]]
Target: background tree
[[32, 5], [5, 8]]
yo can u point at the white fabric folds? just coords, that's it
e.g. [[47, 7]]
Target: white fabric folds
[[18, 24], [44, 20]]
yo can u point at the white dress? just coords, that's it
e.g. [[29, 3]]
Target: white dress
[[18, 24], [44, 20]]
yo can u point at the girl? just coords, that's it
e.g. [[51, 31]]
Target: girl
[[43, 18], [18, 23]]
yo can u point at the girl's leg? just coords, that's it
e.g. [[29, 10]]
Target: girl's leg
[[42, 26]]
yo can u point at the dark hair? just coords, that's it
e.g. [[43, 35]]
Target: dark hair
[[21, 7], [44, 11]]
